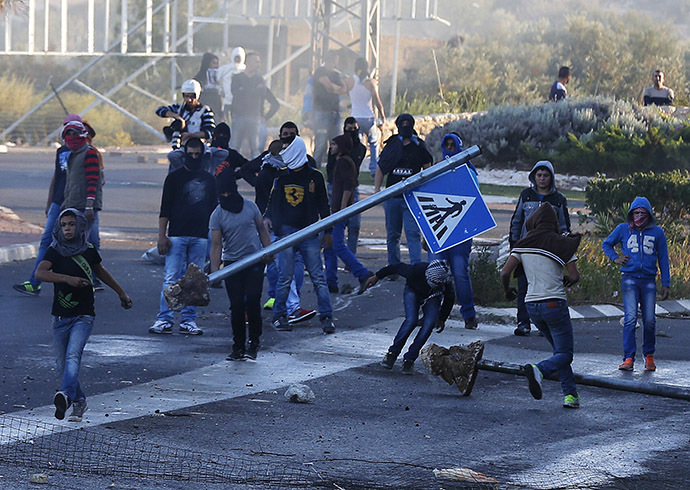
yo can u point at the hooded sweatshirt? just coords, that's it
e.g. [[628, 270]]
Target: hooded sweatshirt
[[645, 247], [530, 200], [226, 72]]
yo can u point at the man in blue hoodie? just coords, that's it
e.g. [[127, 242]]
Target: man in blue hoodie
[[458, 257], [643, 245], [542, 190]]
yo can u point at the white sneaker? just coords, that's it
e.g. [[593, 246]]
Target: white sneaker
[[190, 328], [161, 327]]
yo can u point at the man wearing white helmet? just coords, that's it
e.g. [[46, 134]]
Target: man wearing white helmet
[[191, 119]]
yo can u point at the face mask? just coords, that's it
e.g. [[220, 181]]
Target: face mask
[[405, 131], [354, 134], [221, 141], [288, 139], [232, 203], [192, 164], [640, 220], [74, 141]]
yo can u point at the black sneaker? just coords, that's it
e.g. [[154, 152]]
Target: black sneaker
[[408, 367], [522, 330], [61, 403], [471, 323], [389, 360], [252, 351], [235, 355], [327, 326], [27, 288], [333, 288], [281, 324], [534, 377]]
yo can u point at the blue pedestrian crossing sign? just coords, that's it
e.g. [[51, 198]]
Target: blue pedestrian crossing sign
[[449, 209]]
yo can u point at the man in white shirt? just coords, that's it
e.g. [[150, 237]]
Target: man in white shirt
[[543, 253]]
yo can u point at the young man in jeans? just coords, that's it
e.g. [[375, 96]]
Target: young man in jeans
[[426, 285], [72, 264], [643, 245], [297, 200], [543, 253], [189, 198]]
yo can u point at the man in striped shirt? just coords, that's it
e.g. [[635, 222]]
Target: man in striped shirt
[[191, 119], [84, 179]]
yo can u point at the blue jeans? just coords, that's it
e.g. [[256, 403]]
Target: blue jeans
[[272, 273], [46, 240], [353, 224], [459, 259], [643, 292], [94, 236], [185, 250], [431, 311], [326, 127], [342, 251], [553, 320], [367, 125], [311, 253], [397, 217], [246, 128], [69, 338]]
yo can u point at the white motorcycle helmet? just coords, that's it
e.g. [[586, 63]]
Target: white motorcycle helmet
[[191, 86]]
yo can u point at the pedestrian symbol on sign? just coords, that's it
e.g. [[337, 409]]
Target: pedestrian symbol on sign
[[449, 209], [443, 213]]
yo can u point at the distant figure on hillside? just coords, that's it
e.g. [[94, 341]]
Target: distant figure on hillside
[[658, 94], [558, 90]]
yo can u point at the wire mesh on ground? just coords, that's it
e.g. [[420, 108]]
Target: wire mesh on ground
[[31, 444]]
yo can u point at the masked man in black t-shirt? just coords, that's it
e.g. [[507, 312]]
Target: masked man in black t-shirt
[[189, 198], [72, 264], [403, 155]]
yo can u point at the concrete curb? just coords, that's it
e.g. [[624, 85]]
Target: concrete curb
[[590, 312], [20, 251]]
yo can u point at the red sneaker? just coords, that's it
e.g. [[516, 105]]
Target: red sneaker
[[649, 364], [627, 364], [301, 315]]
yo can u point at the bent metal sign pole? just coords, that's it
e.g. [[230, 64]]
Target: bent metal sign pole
[[314, 229]]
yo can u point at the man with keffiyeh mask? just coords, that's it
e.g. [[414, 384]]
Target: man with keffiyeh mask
[[543, 253], [643, 245], [427, 283], [84, 183], [298, 199], [72, 264]]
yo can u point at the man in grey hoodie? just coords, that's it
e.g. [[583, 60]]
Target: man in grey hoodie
[[542, 190]]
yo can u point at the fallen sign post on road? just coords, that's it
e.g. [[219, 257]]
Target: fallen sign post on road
[[179, 301], [459, 365]]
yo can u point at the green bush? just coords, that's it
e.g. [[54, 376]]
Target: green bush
[[527, 133], [464, 100], [486, 279], [669, 194]]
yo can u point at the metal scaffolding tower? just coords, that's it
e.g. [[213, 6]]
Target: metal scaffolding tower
[[156, 30]]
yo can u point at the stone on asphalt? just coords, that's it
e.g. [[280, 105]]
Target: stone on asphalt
[[191, 290], [455, 365], [299, 393], [39, 478]]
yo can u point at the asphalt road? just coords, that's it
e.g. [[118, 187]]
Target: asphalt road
[[176, 400]]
